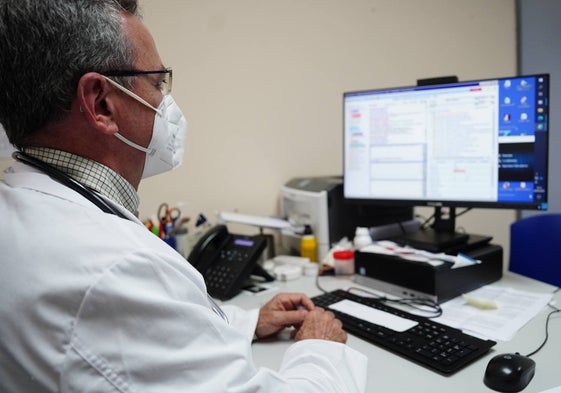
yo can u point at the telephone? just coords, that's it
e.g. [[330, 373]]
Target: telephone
[[226, 260]]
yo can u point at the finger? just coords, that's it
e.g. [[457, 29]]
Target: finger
[[328, 315], [304, 301], [289, 318], [297, 300], [334, 328], [342, 337], [307, 303]]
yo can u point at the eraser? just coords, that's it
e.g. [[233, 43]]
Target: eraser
[[480, 303]]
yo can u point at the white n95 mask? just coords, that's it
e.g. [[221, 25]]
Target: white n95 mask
[[167, 145]]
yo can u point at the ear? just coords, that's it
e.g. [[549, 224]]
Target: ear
[[96, 103]]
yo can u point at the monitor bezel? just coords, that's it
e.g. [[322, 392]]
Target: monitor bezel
[[445, 203]]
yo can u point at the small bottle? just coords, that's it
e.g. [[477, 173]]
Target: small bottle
[[309, 245], [362, 238]]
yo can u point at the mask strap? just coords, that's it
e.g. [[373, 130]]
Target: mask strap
[[133, 95], [132, 144]]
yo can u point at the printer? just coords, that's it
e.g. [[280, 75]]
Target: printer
[[319, 203]]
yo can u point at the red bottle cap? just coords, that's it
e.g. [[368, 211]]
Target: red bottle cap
[[343, 254]]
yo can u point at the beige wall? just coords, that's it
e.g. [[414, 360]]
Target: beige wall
[[261, 81]]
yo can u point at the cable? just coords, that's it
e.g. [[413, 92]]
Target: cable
[[401, 227], [319, 286], [463, 211], [423, 305], [427, 221], [419, 304], [555, 310], [426, 306]]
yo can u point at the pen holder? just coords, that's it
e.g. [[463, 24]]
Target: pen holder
[[180, 241], [171, 241]]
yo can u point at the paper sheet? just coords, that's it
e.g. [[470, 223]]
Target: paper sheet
[[258, 221], [516, 308], [6, 148], [554, 390]]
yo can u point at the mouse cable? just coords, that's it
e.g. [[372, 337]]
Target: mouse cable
[[555, 310]]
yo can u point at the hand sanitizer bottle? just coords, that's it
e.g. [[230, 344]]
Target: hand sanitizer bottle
[[309, 245], [362, 238]]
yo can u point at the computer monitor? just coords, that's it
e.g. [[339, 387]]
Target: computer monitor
[[480, 143]]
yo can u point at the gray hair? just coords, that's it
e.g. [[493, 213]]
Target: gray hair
[[47, 45]]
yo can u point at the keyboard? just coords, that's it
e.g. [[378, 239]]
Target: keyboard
[[435, 346]]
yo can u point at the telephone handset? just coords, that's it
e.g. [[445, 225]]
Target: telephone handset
[[227, 260]]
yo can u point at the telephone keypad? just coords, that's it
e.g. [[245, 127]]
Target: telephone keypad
[[227, 261], [221, 275]]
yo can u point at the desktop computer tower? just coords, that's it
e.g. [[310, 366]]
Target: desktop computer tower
[[413, 279]]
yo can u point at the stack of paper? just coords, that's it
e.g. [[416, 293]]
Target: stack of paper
[[514, 309]]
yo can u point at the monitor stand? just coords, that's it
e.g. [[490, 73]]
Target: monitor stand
[[434, 241], [440, 238]]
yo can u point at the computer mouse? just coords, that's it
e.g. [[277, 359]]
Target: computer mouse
[[509, 372]]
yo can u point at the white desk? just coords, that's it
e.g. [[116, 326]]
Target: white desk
[[390, 373]]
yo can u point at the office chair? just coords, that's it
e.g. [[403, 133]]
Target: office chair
[[535, 248]]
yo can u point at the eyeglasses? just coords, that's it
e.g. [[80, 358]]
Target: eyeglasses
[[163, 84]]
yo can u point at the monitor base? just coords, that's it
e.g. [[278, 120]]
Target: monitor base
[[431, 240], [436, 241]]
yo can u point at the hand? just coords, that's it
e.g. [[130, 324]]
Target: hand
[[283, 310], [322, 325]]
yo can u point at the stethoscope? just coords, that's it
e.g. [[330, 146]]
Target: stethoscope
[[90, 195], [68, 181]]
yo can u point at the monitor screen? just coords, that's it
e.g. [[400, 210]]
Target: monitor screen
[[480, 143]]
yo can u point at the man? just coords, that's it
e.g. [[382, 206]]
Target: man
[[91, 300]]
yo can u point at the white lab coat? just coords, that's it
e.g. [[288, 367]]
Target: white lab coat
[[90, 302]]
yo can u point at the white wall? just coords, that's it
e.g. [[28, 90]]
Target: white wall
[[261, 82]]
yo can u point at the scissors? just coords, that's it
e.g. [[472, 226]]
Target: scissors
[[168, 214]]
